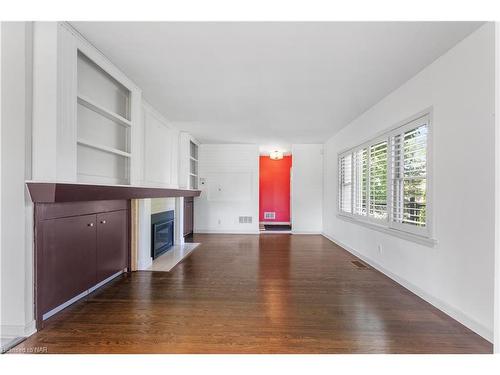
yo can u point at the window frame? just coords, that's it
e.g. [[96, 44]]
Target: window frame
[[342, 184], [388, 225]]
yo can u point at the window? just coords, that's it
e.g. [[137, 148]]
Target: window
[[385, 181], [360, 182], [345, 177], [378, 180]]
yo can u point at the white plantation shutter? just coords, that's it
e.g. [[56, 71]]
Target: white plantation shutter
[[345, 183], [385, 180], [360, 182], [378, 181], [409, 175]]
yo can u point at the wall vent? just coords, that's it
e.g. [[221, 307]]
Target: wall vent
[[359, 264], [245, 220], [269, 215]]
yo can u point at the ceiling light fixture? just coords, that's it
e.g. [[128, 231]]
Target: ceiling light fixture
[[276, 155]]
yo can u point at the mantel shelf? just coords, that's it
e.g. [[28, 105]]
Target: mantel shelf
[[54, 192]]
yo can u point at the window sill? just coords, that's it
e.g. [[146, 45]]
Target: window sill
[[431, 242]]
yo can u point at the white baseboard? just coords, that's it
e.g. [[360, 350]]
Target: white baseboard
[[306, 232], [222, 231], [274, 222], [449, 310], [18, 330]]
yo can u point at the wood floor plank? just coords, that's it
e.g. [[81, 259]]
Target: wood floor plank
[[274, 293]]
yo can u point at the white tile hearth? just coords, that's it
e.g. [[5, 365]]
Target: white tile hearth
[[166, 262]]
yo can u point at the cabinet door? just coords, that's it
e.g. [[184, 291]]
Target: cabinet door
[[111, 243], [68, 261], [188, 216]]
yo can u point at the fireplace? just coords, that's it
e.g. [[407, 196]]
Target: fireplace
[[162, 233]]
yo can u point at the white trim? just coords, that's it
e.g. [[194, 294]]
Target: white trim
[[448, 309], [275, 222], [275, 232], [222, 231], [19, 330], [496, 309], [388, 230], [305, 232]]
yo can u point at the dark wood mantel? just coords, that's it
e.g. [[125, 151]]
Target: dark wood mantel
[[55, 192]]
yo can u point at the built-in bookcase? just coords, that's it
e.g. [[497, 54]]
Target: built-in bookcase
[[193, 165], [103, 126]]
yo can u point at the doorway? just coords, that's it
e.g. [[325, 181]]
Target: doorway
[[274, 194]]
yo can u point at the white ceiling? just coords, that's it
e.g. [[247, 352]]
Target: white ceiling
[[270, 83]]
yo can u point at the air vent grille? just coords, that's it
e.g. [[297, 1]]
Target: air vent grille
[[359, 264], [245, 219], [269, 215]]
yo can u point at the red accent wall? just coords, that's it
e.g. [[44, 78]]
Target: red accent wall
[[274, 187]]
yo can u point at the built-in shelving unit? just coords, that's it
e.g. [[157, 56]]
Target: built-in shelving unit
[[103, 125], [193, 165]]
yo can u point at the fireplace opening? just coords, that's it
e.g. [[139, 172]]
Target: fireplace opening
[[162, 233]]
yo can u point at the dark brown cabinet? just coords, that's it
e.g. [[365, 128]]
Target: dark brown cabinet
[[69, 253], [77, 248], [111, 243], [188, 215]]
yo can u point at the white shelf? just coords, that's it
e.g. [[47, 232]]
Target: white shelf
[[103, 111], [196, 160], [97, 146], [194, 175]]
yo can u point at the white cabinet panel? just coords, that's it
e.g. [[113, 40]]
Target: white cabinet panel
[[160, 149]]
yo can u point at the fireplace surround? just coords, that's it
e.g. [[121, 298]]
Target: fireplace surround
[[162, 233]]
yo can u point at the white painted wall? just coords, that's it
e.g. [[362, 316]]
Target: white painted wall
[[231, 188], [307, 188], [17, 212], [457, 274]]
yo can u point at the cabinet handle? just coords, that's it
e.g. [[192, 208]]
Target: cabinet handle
[[90, 224], [103, 221]]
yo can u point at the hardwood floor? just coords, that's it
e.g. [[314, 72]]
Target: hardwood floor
[[256, 294]]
